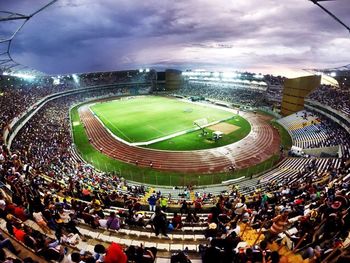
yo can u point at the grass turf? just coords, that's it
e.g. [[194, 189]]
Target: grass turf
[[194, 140], [148, 175], [143, 119]]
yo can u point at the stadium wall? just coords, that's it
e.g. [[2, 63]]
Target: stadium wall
[[173, 79], [294, 93]]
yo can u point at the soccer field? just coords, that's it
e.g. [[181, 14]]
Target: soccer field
[[148, 175], [141, 119]]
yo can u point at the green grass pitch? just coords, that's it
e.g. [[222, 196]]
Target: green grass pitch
[[140, 119]]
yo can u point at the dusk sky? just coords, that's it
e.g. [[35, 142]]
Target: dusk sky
[[268, 36]]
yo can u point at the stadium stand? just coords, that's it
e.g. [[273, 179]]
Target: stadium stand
[[54, 207], [240, 92], [338, 99], [312, 130]]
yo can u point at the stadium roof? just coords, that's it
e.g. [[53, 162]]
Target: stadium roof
[[341, 74], [7, 64]]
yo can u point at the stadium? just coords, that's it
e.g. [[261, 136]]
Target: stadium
[[159, 161]]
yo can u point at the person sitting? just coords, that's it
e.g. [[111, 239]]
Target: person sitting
[[6, 243], [176, 221], [192, 218], [99, 252], [113, 221]]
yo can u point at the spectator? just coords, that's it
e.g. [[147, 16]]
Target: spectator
[[152, 200], [113, 222], [176, 221], [159, 222]]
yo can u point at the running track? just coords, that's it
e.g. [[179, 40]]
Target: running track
[[261, 143]]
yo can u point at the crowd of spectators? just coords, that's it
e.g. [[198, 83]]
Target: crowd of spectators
[[316, 215], [16, 98], [338, 99], [225, 92], [42, 166], [308, 215], [332, 134], [135, 76]]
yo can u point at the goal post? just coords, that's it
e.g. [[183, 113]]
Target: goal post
[[201, 123]]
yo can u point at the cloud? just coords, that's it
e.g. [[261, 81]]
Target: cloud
[[89, 35]]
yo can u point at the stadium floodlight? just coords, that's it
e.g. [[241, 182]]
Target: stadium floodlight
[[259, 76], [147, 70], [56, 81], [75, 78], [216, 74], [140, 70], [229, 75], [333, 74], [19, 75]]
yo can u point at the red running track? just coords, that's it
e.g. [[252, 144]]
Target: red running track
[[262, 142]]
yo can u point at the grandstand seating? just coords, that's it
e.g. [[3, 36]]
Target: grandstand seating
[[43, 163], [338, 99], [311, 130]]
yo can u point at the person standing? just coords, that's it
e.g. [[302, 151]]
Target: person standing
[[159, 222], [152, 201], [163, 203], [279, 224]]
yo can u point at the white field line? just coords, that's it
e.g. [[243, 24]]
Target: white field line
[[175, 134], [170, 136], [153, 128], [108, 130]]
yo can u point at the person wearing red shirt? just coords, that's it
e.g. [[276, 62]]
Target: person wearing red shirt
[[19, 233], [19, 213], [176, 221], [115, 254]]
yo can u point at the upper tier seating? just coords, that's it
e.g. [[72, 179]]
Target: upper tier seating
[[311, 130], [335, 98]]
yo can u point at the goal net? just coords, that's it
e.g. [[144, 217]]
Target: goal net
[[201, 122]]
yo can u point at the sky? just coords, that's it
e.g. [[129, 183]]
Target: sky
[[268, 36]]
